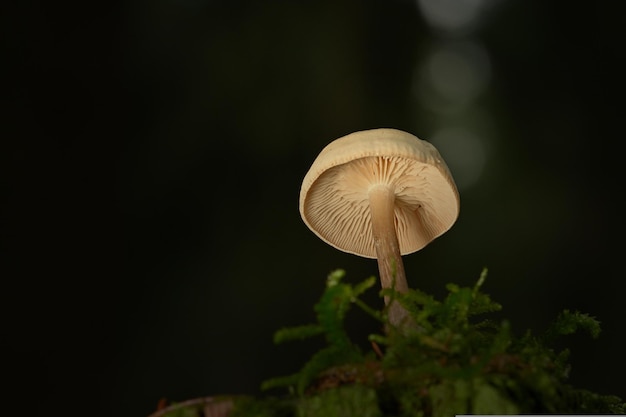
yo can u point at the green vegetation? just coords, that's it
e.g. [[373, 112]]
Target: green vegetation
[[455, 360], [451, 359]]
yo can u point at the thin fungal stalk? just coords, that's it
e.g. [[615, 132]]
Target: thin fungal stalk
[[390, 266]]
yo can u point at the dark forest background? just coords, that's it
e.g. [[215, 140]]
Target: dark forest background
[[151, 160]]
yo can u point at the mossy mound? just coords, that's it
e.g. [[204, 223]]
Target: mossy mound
[[450, 360]]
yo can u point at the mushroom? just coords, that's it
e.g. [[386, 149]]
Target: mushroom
[[380, 193]]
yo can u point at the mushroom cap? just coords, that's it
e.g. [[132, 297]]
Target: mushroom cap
[[334, 201]]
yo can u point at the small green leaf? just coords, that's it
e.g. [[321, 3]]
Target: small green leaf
[[570, 322], [297, 333]]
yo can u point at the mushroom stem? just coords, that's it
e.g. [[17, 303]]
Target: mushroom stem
[[390, 266]]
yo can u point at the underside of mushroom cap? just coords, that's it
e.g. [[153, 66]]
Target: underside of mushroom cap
[[334, 199]]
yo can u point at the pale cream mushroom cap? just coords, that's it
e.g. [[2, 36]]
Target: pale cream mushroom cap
[[334, 201]]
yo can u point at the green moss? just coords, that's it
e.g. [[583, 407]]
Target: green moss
[[348, 400], [455, 360]]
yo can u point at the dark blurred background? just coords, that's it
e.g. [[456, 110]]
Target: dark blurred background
[[153, 151]]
